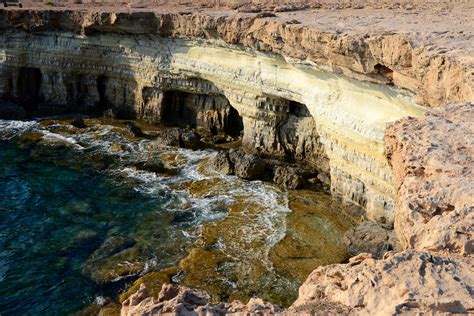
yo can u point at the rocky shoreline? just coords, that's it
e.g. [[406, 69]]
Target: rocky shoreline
[[347, 126]]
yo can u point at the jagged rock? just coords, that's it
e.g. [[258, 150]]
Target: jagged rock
[[222, 163], [370, 237], [78, 123], [409, 282], [433, 158], [190, 139], [289, 178], [134, 130], [151, 166], [247, 166], [169, 137], [184, 301]]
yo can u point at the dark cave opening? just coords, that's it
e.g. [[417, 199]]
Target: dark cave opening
[[298, 109], [29, 87], [101, 88], [384, 71], [211, 113]]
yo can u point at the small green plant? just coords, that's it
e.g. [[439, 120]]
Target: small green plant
[[48, 2]]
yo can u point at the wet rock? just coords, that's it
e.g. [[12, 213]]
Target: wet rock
[[190, 139], [169, 138], [29, 139], [222, 163], [111, 246], [151, 166], [370, 237], [134, 130], [289, 178], [78, 123], [117, 257], [11, 111], [248, 166], [157, 167]]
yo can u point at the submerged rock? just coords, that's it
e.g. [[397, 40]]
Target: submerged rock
[[11, 111], [117, 257], [370, 237]]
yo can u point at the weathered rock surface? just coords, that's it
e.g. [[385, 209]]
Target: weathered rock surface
[[222, 163], [247, 166], [289, 177], [184, 301], [406, 282], [433, 161], [370, 237]]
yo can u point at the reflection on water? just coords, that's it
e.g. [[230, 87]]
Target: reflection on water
[[79, 220]]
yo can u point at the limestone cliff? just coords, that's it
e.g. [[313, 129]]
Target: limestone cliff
[[294, 109]]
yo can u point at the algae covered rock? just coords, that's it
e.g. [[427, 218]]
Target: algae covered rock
[[117, 257]]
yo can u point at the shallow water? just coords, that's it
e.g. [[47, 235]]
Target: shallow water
[[64, 192]]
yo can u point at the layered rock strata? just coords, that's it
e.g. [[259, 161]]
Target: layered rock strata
[[290, 109]]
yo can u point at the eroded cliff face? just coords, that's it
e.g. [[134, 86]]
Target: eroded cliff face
[[293, 111]]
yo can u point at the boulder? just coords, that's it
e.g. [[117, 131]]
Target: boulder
[[134, 130], [289, 177], [248, 166], [169, 137], [78, 123], [370, 237], [190, 139], [222, 163]]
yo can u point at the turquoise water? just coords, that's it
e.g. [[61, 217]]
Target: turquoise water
[[64, 196], [44, 209]]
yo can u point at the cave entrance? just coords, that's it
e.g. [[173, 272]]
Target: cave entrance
[[101, 89], [29, 87], [298, 109], [211, 113]]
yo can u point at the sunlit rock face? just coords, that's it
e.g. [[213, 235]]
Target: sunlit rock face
[[289, 110]]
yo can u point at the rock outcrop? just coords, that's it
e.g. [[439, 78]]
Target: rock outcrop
[[184, 301], [406, 282], [433, 159], [290, 110]]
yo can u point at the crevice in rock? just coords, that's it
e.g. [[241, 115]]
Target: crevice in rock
[[29, 87], [101, 89], [385, 72]]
